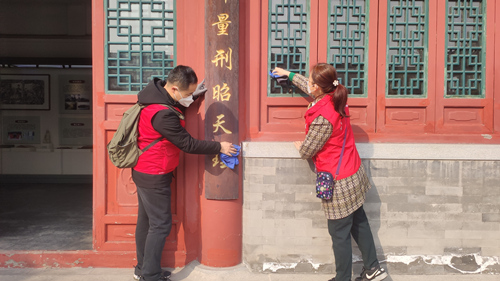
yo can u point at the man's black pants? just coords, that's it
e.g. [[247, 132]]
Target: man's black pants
[[154, 222], [356, 224]]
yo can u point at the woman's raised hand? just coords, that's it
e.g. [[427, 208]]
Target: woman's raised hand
[[281, 72]]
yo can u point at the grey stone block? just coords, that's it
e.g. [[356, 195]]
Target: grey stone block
[[424, 216], [444, 208], [294, 188], [307, 206], [491, 173], [463, 217], [269, 179], [397, 224], [463, 263], [269, 162], [481, 208], [395, 198], [408, 207], [491, 217], [254, 179], [433, 199], [491, 198], [492, 269], [421, 267], [310, 214], [289, 163], [461, 251], [479, 225], [319, 222], [405, 189], [446, 173], [392, 250], [285, 178], [279, 197], [472, 199], [398, 168], [268, 214]]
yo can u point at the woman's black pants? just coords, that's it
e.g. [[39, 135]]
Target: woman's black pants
[[356, 224]]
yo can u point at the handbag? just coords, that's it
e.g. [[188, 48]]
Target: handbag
[[325, 182]]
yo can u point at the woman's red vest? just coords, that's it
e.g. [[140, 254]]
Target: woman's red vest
[[326, 160], [161, 158]]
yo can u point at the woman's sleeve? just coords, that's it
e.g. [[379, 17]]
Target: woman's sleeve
[[319, 132], [299, 81]]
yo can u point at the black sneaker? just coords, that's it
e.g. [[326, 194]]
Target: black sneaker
[[162, 278], [165, 275], [375, 274], [333, 279]]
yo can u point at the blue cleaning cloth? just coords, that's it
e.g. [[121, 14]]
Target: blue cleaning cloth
[[273, 75], [230, 161], [280, 79]]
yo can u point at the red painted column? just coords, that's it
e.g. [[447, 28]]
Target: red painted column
[[221, 227], [221, 203]]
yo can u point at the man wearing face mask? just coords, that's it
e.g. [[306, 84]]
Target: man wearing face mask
[[153, 172]]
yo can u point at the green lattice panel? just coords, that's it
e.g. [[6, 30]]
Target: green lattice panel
[[465, 48], [139, 43], [406, 48], [288, 40], [347, 41]]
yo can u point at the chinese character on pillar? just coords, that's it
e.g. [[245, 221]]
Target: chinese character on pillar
[[221, 100]]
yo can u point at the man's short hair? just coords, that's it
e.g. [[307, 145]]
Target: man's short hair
[[182, 76]]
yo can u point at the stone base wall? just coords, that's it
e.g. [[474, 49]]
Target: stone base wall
[[427, 216]]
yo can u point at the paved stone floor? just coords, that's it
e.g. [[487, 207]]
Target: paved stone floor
[[45, 216], [196, 272]]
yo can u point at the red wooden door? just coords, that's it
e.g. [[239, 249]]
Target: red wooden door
[[297, 35], [347, 39], [435, 76], [465, 51], [123, 63], [406, 75]]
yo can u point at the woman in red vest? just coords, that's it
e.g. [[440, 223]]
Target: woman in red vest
[[328, 127]]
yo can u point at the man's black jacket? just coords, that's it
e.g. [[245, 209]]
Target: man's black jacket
[[167, 123]]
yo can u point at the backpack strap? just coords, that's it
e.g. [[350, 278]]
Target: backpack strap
[[175, 111], [151, 144], [160, 138]]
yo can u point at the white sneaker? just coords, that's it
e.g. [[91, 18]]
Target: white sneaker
[[375, 274]]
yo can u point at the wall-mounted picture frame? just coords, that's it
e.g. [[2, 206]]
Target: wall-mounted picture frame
[[24, 92], [20, 130], [75, 93], [75, 131]]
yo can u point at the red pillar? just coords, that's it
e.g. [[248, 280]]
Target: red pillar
[[221, 203], [221, 232]]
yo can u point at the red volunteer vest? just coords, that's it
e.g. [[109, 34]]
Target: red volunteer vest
[[161, 158], [327, 159]]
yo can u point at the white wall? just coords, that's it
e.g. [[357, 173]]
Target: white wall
[[41, 158], [34, 30]]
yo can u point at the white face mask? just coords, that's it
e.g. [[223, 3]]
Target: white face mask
[[187, 101], [308, 89]]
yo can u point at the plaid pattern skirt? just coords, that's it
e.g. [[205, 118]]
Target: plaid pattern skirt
[[348, 195]]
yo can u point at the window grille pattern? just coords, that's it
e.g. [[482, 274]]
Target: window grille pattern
[[288, 41], [464, 47], [346, 43], [139, 42], [407, 48]]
